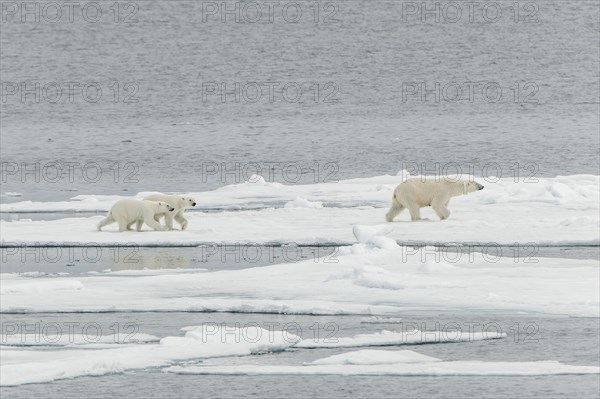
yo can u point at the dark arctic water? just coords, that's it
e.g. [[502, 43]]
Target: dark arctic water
[[154, 103], [530, 337]]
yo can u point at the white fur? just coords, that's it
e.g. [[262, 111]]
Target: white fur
[[179, 202], [128, 211], [415, 194]]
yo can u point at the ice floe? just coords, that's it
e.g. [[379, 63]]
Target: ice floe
[[389, 338], [552, 211], [399, 363], [368, 279], [23, 366]]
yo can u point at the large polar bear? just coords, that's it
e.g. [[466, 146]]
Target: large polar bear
[[415, 194], [178, 202], [128, 211]]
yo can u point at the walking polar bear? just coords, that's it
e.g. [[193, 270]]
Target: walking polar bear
[[415, 194], [128, 211], [176, 201]]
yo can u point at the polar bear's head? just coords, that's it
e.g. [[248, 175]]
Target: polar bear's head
[[471, 186], [163, 207], [187, 202]]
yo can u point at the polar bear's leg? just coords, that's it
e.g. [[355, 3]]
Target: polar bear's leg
[[108, 220], [169, 220], [159, 216], [181, 220], [129, 225], [394, 211], [415, 212], [149, 220], [184, 224], [439, 206], [138, 225], [123, 225]]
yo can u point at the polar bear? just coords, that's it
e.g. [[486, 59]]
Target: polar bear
[[178, 202], [418, 193], [128, 211]]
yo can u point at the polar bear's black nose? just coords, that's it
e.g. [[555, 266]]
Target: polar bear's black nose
[[171, 209], [193, 204], [479, 186]]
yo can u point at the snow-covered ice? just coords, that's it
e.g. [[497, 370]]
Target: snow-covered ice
[[21, 366], [393, 338], [300, 202], [562, 210], [400, 363], [374, 278], [372, 275]]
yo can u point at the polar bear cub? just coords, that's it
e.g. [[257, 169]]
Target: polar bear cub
[[128, 211], [180, 203], [415, 194]]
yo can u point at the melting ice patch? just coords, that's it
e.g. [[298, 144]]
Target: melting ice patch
[[392, 338], [23, 366], [401, 363], [364, 280]]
